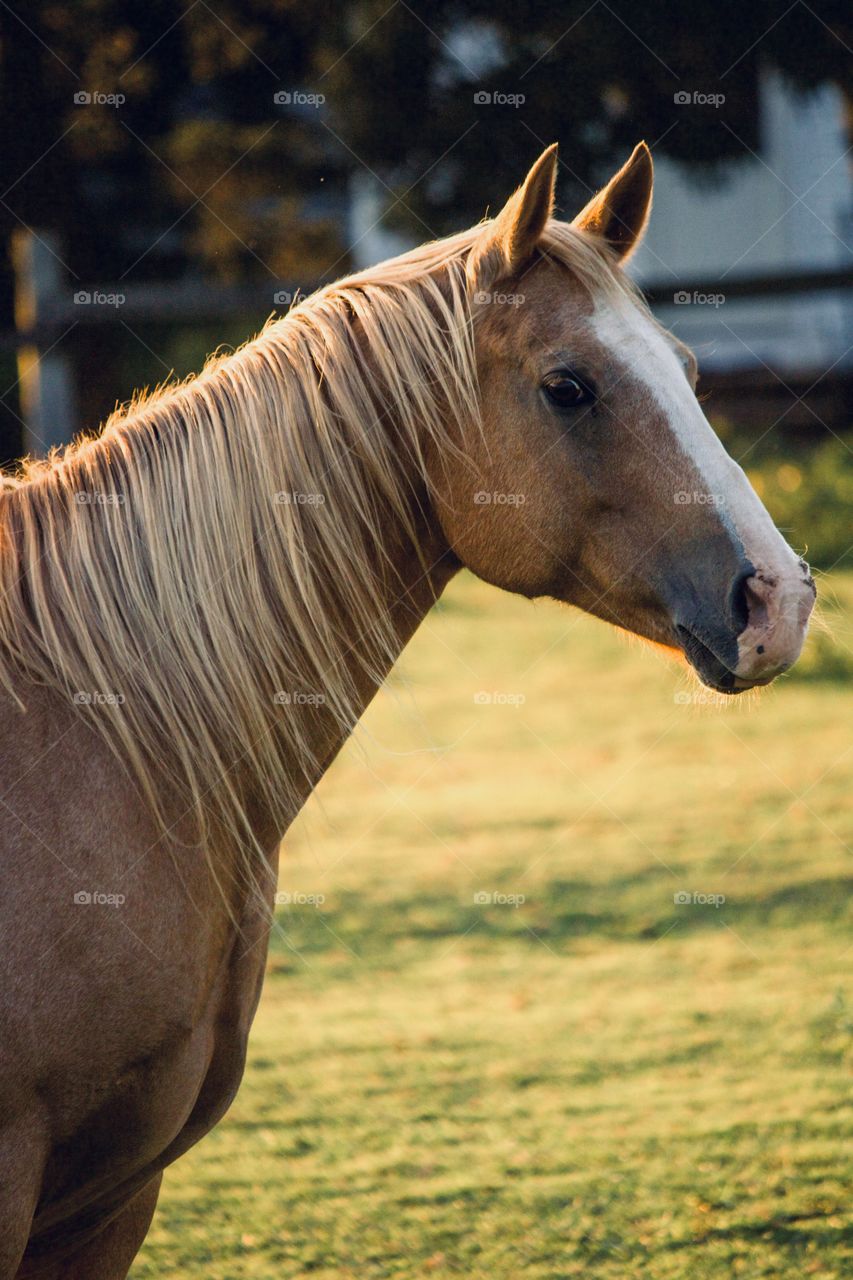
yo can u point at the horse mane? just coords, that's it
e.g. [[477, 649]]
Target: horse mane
[[220, 547]]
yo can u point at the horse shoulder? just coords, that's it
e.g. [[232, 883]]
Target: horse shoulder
[[130, 987]]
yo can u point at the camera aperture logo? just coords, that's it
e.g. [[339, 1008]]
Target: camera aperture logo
[[497, 698], [483, 297], [299, 698], [696, 298], [700, 698], [296, 98], [697, 899], [489, 98], [696, 98], [97, 99], [96, 298], [482, 498], [94, 898], [286, 498], [492, 898], [83, 698], [85, 498], [684, 498]]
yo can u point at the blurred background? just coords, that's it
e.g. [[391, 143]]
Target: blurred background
[[559, 976], [174, 172]]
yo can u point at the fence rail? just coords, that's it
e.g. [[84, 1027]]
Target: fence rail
[[761, 286], [46, 309], [199, 301]]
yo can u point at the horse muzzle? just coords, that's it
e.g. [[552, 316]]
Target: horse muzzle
[[778, 612], [755, 636]]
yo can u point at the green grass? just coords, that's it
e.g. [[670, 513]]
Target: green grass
[[597, 1082], [807, 490]]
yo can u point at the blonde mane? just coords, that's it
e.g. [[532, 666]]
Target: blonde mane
[[218, 550]]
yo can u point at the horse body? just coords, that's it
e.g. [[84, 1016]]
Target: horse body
[[135, 1045], [135, 1048], [184, 659]]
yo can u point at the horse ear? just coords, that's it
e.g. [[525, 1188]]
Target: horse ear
[[620, 211], [508, 242]]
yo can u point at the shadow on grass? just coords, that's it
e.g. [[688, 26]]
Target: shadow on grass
[[639, 909], [782, 1230]]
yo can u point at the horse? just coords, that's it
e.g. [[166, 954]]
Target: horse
[[197, 604]]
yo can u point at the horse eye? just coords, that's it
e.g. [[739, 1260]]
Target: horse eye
[[566, 390]]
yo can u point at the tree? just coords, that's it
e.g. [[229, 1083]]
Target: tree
[[408, 95]]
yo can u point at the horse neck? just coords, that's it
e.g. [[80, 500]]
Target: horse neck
[[200, 601], [421, 577], [412, 565]]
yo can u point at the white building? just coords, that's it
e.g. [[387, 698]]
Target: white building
[[786, 208]]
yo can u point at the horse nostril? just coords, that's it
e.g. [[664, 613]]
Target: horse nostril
[[739, 601]]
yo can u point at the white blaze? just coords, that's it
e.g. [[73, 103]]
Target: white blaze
[[779, 589]]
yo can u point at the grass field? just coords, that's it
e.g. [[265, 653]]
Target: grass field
[[600, 1080]]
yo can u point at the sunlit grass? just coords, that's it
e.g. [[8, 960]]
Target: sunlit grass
[[599, 1080]]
